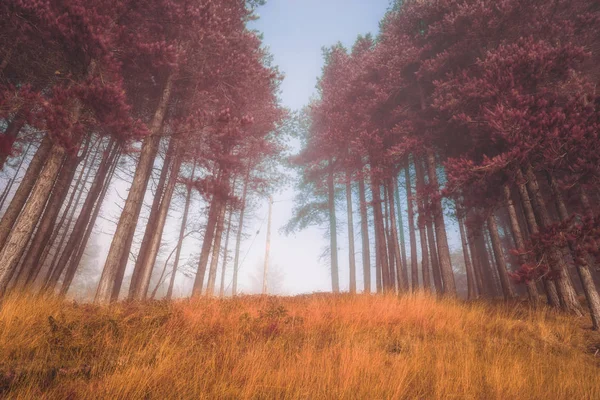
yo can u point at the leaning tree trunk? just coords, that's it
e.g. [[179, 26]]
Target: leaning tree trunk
[[364, 232], [387, 216], [154, 244], [225, 255], [507, 289], [24, 225], [48, 221], [186, 210], [12, 131], [421, 222], [580, 256], [216, 251], [351, 252], [440, 229], [82, 220], [8, 187], [23, 191], [402, 284], [144, 252], [238, 242], [119, 249], [566, 292], [519, 243], [209, 232], [471, 291], [475, 262], [549, 286], [411, 229], [335, 279]]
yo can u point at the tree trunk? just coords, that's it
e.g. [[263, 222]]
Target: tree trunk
[[114, 268], [209, 232], [351, 251], [380, 241], [216, 251], [566, 292], [27, 183], [8, 187], [507, 289], [12, 131], [580, 256], [401, 230], [471, 291], [106, 178], [364, 231], [420, 196], [147, 267], [411, 228], [519, 243], [402, 284], [24, 225], [59, 193], [335, 279], [151, 226], [186, 210], [225, 255], [387, 216], [440, 230], [475, 262]]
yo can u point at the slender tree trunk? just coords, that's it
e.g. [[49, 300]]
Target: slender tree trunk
[[225, 255], [471, 290], [238, 242], [380, 241], [8, 187], [420, 196], [209, 232], [335, 279], [411, 229], [151, 227], [520, 243], [23, 191], [106, 178], [566, 292], [24, 225], [186, 210], [155, 239], [48, 221], [12, 131], [440, 230], [580, 256], [507, 289], [402, 284], [401, 229], [387, 216], [216, 251], [475, 262], [81, 222], [114, 268], [351, 251], [364, 231]]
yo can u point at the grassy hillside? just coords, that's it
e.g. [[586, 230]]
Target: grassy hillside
[[310, 347]]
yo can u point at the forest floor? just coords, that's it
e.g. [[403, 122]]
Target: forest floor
[[307, 347]]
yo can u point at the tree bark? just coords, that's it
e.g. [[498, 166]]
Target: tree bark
[[380, 240], [471, 290], [507, 289], [147, 267], [335, 279], [22, 230], [351, 251], [216, 251], [225, 255], [420, 196], [151, 226], [532, 291], [186, 210], [411, 228], [23, 191], [209, 233], [580, 256], [402, 284], [114, 268], [475, 262], [364, 231], [440, 230], [106, 178], [566, 292]]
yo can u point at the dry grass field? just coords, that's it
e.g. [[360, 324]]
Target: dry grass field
[[307, 347]]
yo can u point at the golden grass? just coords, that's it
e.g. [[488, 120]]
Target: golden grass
[[308, 347]]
